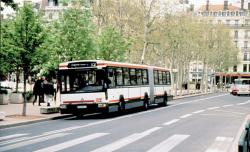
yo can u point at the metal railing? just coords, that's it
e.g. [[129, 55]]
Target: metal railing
[[244, 141]]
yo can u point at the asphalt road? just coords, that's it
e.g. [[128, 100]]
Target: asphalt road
[[206, 123]]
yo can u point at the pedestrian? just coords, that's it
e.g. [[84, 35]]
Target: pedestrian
[[48, 91], [38, 91]]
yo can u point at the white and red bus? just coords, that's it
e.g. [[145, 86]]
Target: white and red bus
[[89, 86]]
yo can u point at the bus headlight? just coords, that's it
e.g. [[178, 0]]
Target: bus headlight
[[63, 106]]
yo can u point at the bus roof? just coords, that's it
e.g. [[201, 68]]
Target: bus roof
[[102, 63]]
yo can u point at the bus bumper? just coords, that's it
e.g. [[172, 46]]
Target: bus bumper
[[83, 108]]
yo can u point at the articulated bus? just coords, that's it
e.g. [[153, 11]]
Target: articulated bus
[[241, 86], [91, 86]]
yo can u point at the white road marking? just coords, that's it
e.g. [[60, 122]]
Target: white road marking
[[243, 103], [212, 108], [221, 144], [170, 122], [231, 112], [71, 143], [230, 105], [187, 115], [169, 143], [12, 136], [199, 111], [125, 141], [30, 142], [118, 118]]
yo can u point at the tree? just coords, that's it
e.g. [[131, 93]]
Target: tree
[[70, 38], [27, 37], [112, 45]]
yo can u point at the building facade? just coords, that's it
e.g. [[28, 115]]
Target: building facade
[[237, 19]]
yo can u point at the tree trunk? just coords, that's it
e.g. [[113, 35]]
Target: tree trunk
[[17, 80], [24, 92]]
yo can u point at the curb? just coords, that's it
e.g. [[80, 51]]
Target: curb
[[192, 95], [34, 121]]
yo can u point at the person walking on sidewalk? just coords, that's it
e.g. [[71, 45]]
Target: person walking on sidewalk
[[38, 91], [48, 91]]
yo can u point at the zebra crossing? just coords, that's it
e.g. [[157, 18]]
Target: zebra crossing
[[16, 141]]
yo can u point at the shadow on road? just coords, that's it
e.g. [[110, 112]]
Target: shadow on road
[[95, 116]]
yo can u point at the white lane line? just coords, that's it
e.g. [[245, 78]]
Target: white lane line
[[170, 122], [169, 143], [212, 108], [230, 105], [71, 143], [12, 136], [30, 142], [199, 111], [243, 103], [221, 144], [187, 115], [125, 141]]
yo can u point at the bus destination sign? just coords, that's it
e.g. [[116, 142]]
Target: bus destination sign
[[82, 65]]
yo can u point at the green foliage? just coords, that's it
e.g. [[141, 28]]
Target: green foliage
[[71, 38], [112, 45]]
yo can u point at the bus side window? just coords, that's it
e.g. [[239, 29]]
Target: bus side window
[[111, 77], [126, 76], [168, 77], [139, 76], [118, 75], [133, 79], [156, 78], [160, 77], [145, 77], [164, 78]]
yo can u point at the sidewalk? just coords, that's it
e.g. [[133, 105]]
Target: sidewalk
[[13, 113]]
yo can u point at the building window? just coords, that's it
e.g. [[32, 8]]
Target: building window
[[246, 21], [235, 68], [50, 16], [236, 22], [227, 22], [232, 13], [244, 67], [245, 57], [245, 44], [236, 44], [246, 34], [235, 34], [228, 13], [223, 13]]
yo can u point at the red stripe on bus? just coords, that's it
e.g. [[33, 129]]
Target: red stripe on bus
[[78, 101]]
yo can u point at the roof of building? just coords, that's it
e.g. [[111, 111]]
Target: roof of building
[[216, 8]]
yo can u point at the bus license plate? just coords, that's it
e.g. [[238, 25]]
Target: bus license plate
[[81, 107]]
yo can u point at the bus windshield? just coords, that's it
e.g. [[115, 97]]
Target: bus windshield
[[78, 81]]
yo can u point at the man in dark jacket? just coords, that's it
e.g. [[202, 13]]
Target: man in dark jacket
[[48, 91], [38, 91]]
